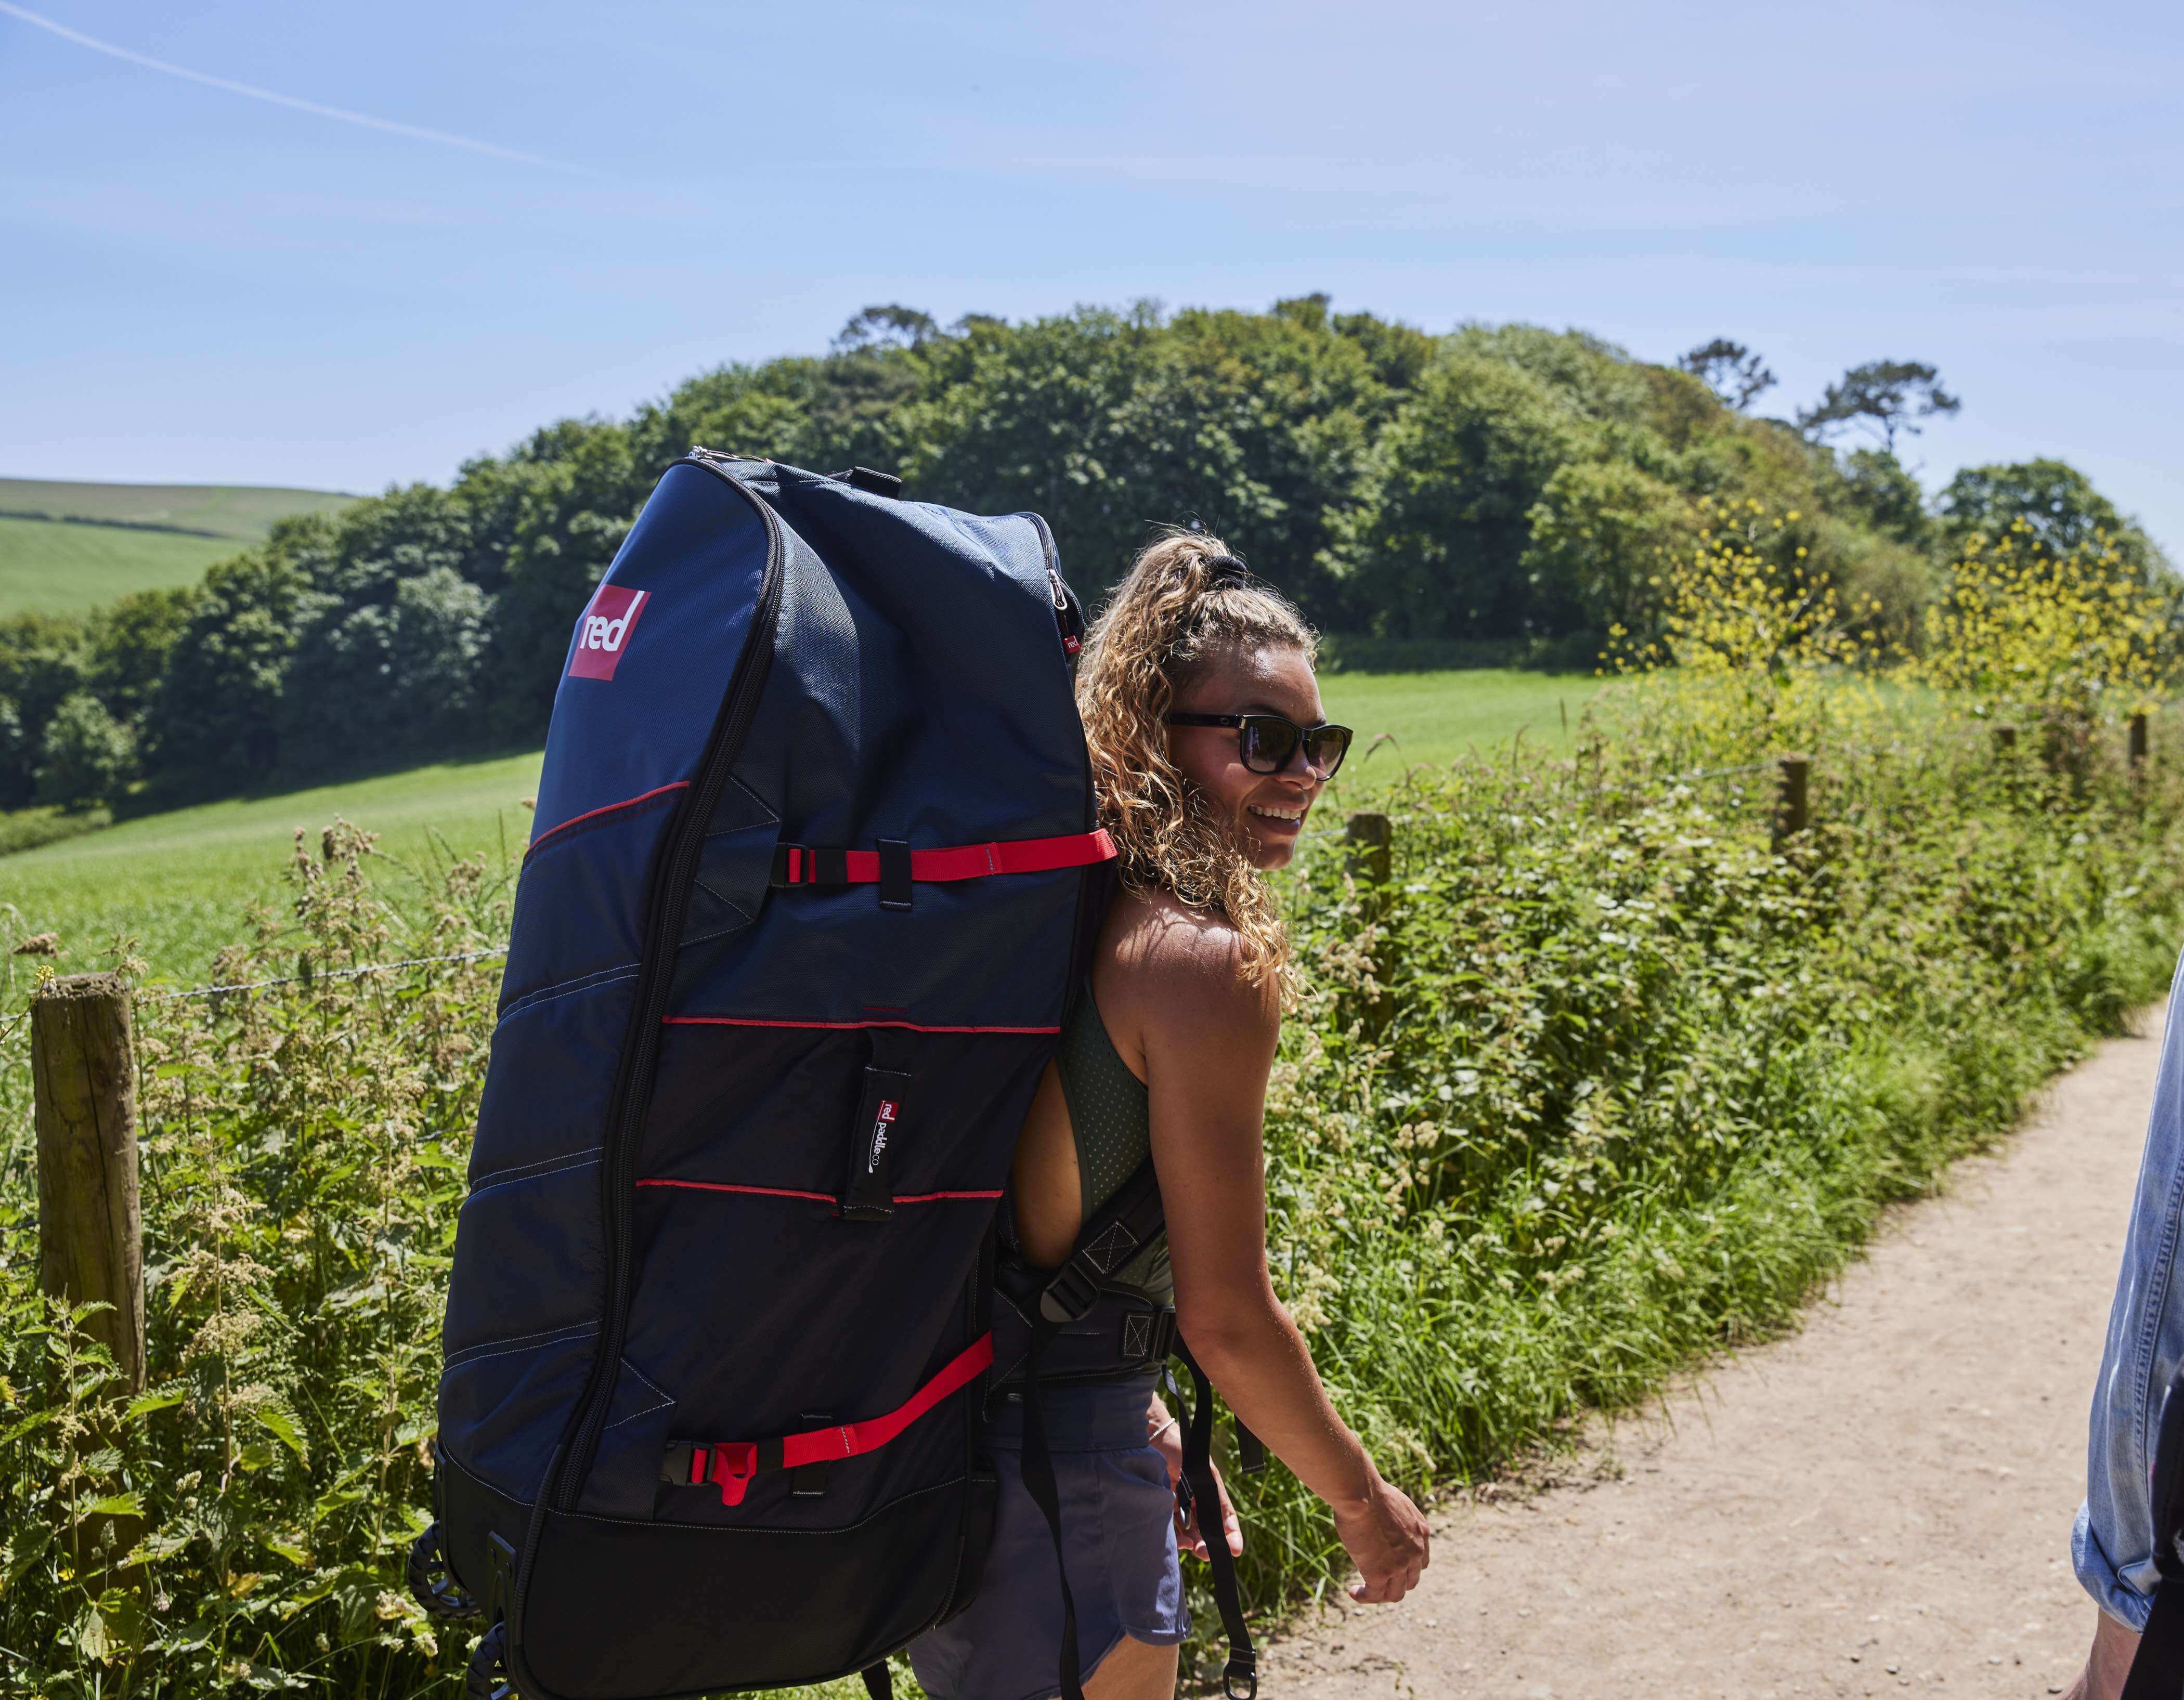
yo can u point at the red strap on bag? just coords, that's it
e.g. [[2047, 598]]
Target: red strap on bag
[[730, 1465], [798, 864]]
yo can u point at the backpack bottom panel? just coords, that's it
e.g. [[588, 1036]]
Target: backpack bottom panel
[[616, 1610]]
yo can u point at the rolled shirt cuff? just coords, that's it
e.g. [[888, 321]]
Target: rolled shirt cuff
[[2099, 1577]]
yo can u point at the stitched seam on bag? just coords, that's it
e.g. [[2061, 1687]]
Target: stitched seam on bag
[[772, 817], [721, 897], [536, 1171], [565, 988], [524, 1343], [666, 1398]]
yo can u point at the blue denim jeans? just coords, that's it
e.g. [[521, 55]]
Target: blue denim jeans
[[2112, 1547]]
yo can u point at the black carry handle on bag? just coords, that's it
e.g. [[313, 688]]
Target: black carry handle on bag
[[2157, 1672]]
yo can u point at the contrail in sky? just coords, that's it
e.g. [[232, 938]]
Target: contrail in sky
[[288, 100]]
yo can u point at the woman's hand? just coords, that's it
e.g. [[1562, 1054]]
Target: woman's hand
[[1167, 1441], [1386, 1538]]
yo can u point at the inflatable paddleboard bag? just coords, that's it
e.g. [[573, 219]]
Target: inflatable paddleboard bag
[[814, 869]]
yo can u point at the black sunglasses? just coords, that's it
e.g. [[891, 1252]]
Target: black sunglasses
[[1266, 742]]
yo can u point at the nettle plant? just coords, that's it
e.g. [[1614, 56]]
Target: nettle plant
[[242, 1524]]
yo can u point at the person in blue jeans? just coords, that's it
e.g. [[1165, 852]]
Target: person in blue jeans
[[2112, 1547]]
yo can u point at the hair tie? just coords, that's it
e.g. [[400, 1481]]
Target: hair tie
[[1226, 569]]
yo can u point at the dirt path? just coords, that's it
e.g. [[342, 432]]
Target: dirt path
[[1882, 1503]]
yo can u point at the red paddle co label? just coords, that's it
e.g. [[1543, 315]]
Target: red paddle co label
[[603, 634]]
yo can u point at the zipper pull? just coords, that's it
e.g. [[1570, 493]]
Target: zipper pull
[[1072, 628]]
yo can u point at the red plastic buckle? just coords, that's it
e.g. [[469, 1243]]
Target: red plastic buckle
[[734, 1463]]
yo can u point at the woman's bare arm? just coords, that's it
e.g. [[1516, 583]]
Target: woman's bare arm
[[1207, 1042]]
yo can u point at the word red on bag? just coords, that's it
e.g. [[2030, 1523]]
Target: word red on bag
[[603, 634]]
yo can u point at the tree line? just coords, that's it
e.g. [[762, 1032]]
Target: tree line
[[1506, 487]]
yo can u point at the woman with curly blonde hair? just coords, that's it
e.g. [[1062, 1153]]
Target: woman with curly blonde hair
[[1209, 748]]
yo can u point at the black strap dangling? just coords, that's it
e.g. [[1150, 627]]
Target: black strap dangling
[[1038, 1466], [1239, 1678]]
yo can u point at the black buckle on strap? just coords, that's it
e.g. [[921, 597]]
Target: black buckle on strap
[[1069, 1295], [802, 865]]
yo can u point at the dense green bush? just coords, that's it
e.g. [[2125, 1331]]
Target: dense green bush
[[86, 754], [1597, 1082], [240, 1526]]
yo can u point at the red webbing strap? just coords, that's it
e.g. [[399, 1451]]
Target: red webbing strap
[[731, 1464], [800, 865]]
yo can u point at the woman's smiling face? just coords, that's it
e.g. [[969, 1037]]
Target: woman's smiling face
[[1268, 809]]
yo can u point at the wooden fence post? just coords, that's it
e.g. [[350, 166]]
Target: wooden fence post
[[1791, 797], [1372, 863], [83, 1075], [2137, 742], [1372, 841]]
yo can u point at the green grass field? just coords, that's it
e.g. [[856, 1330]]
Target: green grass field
[[1437, 717], [226, 510], [51, 568], [180, 882]]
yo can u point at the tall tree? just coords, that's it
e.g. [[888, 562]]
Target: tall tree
[[215, 723], [1883, 396], [1438, 549], [892, 326], [1876, 487], [2049, 503], [1731, 370]]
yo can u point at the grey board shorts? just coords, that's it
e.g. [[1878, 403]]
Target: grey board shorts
[[1118, 1539]]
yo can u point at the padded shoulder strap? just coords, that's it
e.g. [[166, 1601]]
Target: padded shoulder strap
[[1110, 1237]]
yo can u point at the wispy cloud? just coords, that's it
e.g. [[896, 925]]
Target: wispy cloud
[[317, 109]]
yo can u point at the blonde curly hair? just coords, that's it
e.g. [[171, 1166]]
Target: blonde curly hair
[[1185, 600]]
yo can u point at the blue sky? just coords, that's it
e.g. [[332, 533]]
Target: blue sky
[[197, 284]]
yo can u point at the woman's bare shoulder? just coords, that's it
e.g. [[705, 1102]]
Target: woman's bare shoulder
[[1176, 962]]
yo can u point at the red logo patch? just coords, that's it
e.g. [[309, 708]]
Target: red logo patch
[[604, 632]]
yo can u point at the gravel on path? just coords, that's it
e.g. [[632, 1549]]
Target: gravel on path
[[1880, 1503]]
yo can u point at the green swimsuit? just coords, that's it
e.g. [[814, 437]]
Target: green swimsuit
[[1110, 1117]]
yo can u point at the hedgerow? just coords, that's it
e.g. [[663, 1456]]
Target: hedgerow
[[1602, 1078]]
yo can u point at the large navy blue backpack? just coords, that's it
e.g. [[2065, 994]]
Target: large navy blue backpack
[[814, 871]]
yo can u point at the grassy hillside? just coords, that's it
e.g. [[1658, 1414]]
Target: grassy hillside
[[180, 882], [52, 562], [50, 567], [223, 510]]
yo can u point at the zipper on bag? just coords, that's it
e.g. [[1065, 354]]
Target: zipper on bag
[[666, 909]]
